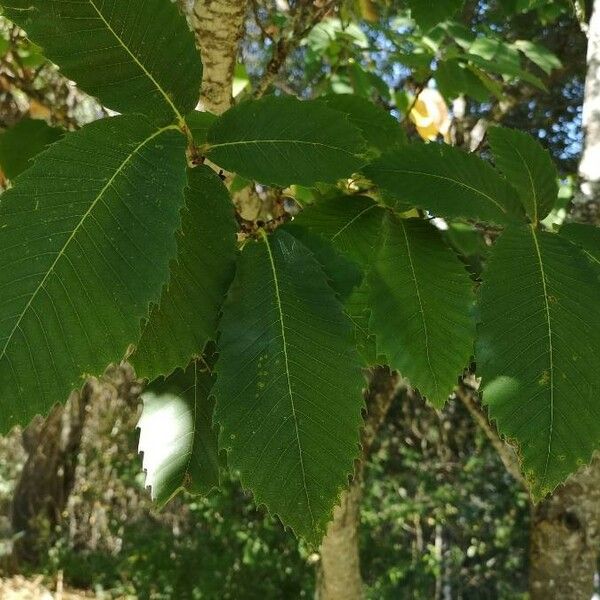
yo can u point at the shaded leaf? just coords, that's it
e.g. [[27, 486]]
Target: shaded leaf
[[587, 237], [199, 124], [186, 317], [428, 13], [177, 437], [24, 141], [378, 127], [280, 141], [528, 167], [288, 384], [344, 233], [353, 224], [134, 55], [86, 237], [343, 273], [454, 79], [445, 181], [538, 352], [422, 307]]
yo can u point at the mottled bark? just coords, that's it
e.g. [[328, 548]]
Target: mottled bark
[[338, 575], [565, 538], [565, 533], [219, 26]]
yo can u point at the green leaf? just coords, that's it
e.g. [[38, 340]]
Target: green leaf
[[538, 54], [343, 274], [498, 57], [134, 55], [24, 141], [377, 126], [537, 349], [280, 141], [351, 223], [428, 13], [344, 233], [529, 169], [454, 79], [446, 181], [288, 384], [422, 307], [177, 437], [587, 237], [506, 59], [86, 237], [199, 124], [358, 308], [186, 317]]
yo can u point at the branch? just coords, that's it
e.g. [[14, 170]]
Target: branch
[[305, 17], [468, 396]]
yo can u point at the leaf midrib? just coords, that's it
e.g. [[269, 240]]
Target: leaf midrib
[[550, 347], [65, 246], [533, 188], [138, 62], [211, 147], [287, 372], [352, 221], [449, 179], [421, 308]]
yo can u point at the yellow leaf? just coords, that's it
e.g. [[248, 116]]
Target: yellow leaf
[[430, 115]]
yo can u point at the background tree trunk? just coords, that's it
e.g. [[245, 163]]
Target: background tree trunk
[[338, 574], [565, 532], [47, 479], [565, 539], [587, 206], [53, 445]]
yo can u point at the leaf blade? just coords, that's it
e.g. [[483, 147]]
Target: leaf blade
[[276, 423], [281, 140], [123, 52], [24, 141], [185, 319], [445, 181], [78, 263], [529, 169], [177, 437], [537, 349], [422, 301]]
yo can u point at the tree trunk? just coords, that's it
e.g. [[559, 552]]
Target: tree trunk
[[48, 475], [565, 539], [565, 532], [587, 207], [53, 446], [338, 575], [219, 26]]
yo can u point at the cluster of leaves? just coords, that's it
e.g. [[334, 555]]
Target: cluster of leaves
[[114, 247], [408, 43]]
